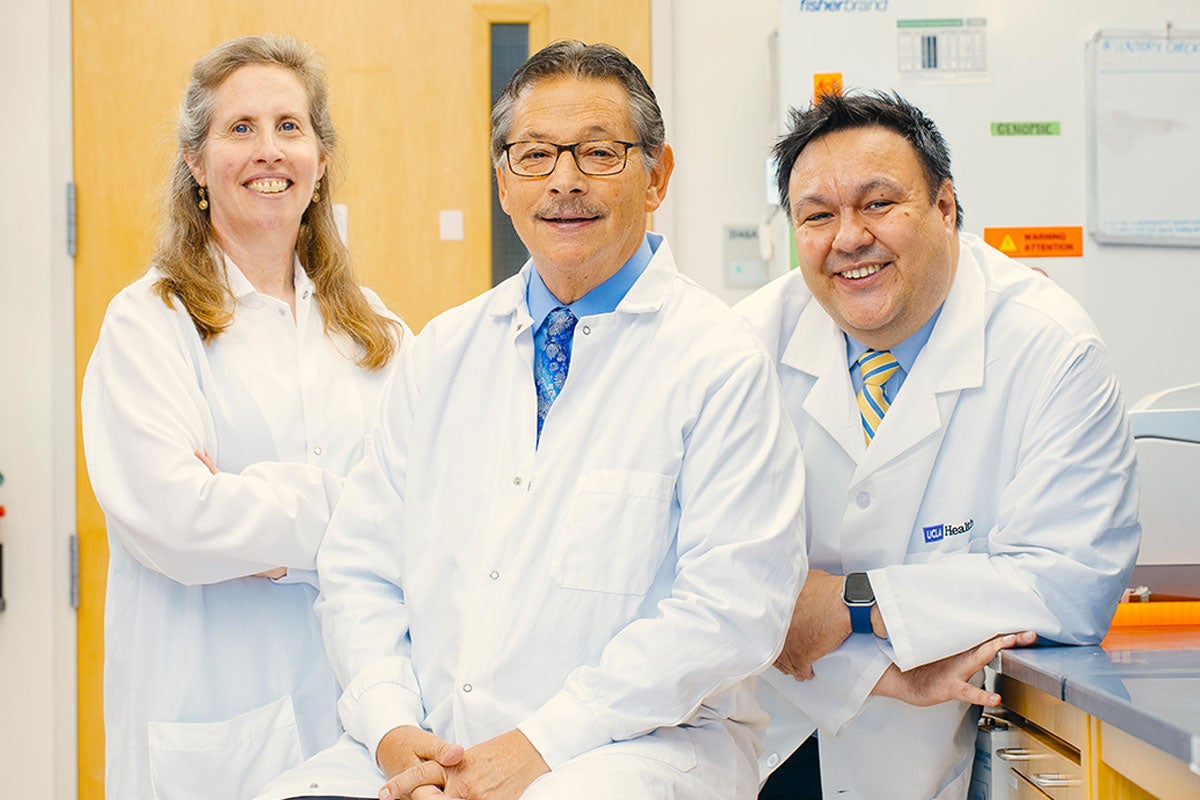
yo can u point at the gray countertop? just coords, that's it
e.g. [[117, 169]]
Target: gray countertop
[[1145, 681]]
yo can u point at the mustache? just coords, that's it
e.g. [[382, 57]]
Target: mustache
[[569, 207], [872, 252]]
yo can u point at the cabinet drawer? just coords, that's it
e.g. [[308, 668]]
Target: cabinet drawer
[[1043, 763], [1022, 789], [1156, 773], [1049, 713]]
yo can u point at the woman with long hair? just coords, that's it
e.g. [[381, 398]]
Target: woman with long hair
[[231, 390]]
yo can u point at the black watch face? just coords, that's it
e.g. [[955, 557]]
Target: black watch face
[[858, 588]]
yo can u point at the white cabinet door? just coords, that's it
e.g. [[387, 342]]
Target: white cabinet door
[[37, 628]]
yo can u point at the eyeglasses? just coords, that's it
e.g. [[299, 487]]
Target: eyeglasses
[[596, 158]]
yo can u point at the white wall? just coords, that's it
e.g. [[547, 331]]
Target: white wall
[[711, 74], [37, 420]]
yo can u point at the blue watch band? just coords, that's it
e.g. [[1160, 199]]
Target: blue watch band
[[860, 618]]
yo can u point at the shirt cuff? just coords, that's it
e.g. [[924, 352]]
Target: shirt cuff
[[369, 713], [563, 729], [842, 685]]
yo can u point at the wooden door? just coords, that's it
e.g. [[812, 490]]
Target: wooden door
[[410, 99]]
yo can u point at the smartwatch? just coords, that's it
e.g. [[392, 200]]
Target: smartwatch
[[859, 598]]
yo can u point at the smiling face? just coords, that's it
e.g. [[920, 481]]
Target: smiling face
[[261, 158], [873, 249], [579, 230]]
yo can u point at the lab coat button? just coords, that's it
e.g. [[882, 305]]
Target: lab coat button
[[467, 688], [282, 313], [517, 480], [773, 760], [586, 330], [494, 575], [863, 499], [317, 451]]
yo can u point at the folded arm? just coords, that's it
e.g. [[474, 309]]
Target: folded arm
[[144, 418], [1065, 538]]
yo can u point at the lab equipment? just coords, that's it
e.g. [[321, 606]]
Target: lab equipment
[[1172, 414], [1166, 425]]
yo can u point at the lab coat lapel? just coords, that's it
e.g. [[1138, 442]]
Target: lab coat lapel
[[509, 301], [817, 347], [952, 360], [650, 290], [901, 457]]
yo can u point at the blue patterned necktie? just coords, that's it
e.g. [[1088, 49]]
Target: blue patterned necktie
[[876, 367], [553, 361]]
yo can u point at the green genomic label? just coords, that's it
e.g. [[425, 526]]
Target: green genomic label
[[1026, 129]]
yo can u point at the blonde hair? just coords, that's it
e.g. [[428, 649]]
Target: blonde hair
[[187, 253]]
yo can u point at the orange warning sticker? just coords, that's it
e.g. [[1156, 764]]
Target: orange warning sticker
[[1036, 242], [826, 83]]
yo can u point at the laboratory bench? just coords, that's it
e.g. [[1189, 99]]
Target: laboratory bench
[[1118, 720]]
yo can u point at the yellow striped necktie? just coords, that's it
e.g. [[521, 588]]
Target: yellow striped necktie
[[876, 366]]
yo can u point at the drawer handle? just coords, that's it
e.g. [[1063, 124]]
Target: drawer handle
[[1048, 780], [1018, 753]]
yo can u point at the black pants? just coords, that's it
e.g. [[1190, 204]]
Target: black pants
[[798, 778]]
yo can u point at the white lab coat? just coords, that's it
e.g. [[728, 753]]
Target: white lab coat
[[1010, 432], [632, 573], [215, 682]]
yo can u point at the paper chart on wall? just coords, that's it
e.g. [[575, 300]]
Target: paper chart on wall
[[1144, 137]]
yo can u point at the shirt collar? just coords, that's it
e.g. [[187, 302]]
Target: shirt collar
[[604, 298], [239, 284], [241, 287], [304, 285], [905, 353]]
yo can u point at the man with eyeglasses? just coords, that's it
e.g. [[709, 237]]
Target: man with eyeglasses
[[578, 534]]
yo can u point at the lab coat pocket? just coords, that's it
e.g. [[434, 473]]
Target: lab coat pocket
[[615, 532], [231, 759]]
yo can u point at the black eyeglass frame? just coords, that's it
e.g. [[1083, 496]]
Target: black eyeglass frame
[[569, 148]]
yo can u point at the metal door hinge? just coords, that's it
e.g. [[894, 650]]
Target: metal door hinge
[[71, 219], [73, 544]]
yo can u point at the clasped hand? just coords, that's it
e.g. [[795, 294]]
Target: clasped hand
[[423, 766]]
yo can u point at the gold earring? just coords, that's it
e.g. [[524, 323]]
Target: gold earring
[[317, 192], [203, 204]]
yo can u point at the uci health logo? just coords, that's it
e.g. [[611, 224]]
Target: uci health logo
[[935, 533]]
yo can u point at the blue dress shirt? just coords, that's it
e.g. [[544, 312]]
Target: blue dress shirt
[[905, 353], [602, 300]]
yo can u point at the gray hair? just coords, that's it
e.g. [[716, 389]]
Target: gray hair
[[574, 59]]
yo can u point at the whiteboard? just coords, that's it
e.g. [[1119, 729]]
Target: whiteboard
[[1144, 137]]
